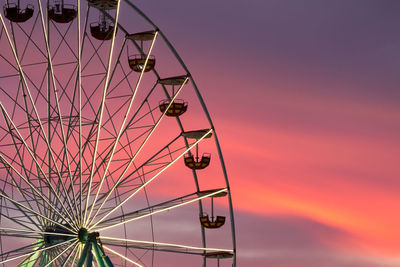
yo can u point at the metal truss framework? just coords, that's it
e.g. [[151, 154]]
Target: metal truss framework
[[75, 126]]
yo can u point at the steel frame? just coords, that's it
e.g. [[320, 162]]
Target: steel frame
[[63, 188]]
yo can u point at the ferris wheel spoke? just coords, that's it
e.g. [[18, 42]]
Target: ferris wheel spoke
[[23, 166], [17, 220], [138, 258], [142, 145], [40, 249], [90, 135], [60, 254], [29, 38], [132, 122], [20, 70], [91, 107], [109, 119], [155, 209], [100, 58], [102, 104], [6, 117], [80, 249], [63, 39], [110, 175], [39, 90], [20, 236], [73, 252], [148, 181], [67, 258], [94, 54], [24, 209], [39, 193], [71, 124], [120, 179], [125, 76], [153, 127], [120, 132], [109, 91], [30, 260], [23, 192], [161, 246], [51, 70], [122, 256], [28, 35], [64, 88], [79, 85], [80, 145], [11, 231], [70, 132], [30, 96], [16, 253], [32, 128], [71, 119], [18, 149], [88, 141]]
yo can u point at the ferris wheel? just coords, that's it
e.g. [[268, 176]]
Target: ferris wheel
[[108, 155]]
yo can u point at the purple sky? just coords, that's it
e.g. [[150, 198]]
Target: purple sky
[[310, 95]]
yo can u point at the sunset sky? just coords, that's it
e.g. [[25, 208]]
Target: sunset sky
[[305, 98]]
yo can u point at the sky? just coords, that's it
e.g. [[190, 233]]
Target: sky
[[304, 96]]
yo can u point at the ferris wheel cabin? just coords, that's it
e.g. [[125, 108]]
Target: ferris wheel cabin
[[197, 163], [14, 13], [178, 106], [194, 162], [137, 62], [101, 31], [212, 222], [62, 13]]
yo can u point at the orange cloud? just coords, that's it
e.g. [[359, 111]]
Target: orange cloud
[[341, 178]]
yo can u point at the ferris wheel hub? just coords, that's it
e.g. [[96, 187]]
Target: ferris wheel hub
[[83, 235]]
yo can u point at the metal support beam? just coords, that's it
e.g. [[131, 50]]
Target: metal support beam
[[101, 259], [88, 246], [91, 249], [32, 259]]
